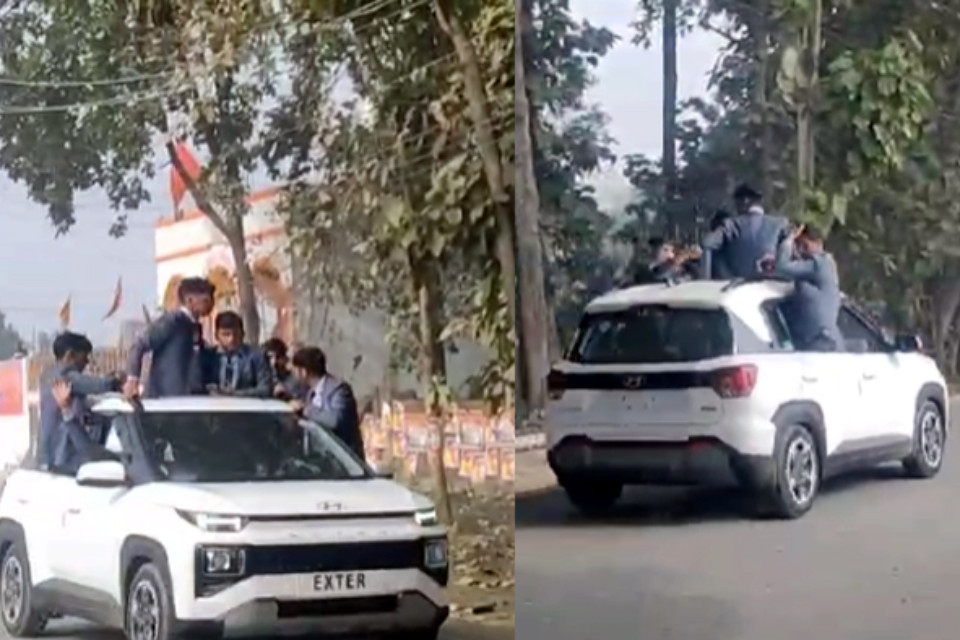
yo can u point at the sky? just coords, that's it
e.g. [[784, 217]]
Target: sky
[[629, 86], [41, 271]]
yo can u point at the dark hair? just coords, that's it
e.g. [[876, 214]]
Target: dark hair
[[719, 218], [312, 359], [814, 233], [194, 287], [69, 342], [748, 193], [655, 243], [228, 320], [276, 346]]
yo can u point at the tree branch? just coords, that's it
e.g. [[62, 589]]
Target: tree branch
[[199, 197]]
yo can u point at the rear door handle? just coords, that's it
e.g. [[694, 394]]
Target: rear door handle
[[809, 378], [73, 512], [869, 376]]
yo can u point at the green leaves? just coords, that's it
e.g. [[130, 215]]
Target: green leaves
[[412, 207]]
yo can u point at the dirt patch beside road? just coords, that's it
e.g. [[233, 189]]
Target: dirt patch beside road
[[533, 474], [481, 550]]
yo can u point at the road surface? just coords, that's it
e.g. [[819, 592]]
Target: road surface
[[878, 558], [454, 630]]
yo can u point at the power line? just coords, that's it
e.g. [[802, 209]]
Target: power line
[[103, 82], [360, 12], [136, 98]]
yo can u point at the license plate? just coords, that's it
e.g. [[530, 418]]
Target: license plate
[[340, 582]]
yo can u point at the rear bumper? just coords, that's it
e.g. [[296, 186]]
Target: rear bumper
[[697, 461]]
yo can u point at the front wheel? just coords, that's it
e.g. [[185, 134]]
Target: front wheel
[[430, 633], [592, 497], [148, 613], [929, 442], [797, 476], [21, 618]]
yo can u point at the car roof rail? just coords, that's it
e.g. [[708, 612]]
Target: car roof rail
[[762, 277]]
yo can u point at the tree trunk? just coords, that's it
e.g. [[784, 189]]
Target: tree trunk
[[534, 314], [487, 146], [669, 149], [761, 37], [246, 291], [810, 45], [233, 231], [433, 374]]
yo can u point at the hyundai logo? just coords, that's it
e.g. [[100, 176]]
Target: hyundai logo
[[633, 382]]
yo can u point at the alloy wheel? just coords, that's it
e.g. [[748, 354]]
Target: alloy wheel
[[931, 438], [144, 622], [801, 471], [12, 589]]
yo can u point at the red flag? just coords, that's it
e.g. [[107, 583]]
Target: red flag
[[65, 313], [117, 299], [178, 188]]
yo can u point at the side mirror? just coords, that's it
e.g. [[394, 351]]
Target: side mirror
[[105, 473], [908, 343], [382, 473]]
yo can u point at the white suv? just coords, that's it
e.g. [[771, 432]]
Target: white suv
[[698, 383], [217, 515]]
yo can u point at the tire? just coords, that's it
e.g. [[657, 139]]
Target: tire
[[592, 497], [148, 608], [20, 617], [431, 633], [929, 442], [797, 477]]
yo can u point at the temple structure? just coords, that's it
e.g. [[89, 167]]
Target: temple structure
[[188, 244]]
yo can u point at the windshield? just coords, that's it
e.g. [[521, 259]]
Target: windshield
[[651, 334], [244, 447]]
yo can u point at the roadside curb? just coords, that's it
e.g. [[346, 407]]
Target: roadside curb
[[531, 440]]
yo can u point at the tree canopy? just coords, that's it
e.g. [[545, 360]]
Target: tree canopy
[[846, 113]]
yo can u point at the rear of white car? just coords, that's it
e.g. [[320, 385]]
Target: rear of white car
[[665, 387]]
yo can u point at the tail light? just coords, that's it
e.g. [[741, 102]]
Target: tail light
[[556, 384], [734, 382]]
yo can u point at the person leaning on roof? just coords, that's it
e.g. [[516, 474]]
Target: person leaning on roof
[[813, 309], [744, 241], [667, 264]]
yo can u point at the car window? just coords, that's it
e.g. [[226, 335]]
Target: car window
[[777, 323], [244, 447], [858, 337], [653, 334]]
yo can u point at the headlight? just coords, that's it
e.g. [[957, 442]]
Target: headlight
[[222, 561], [426, 517], [213, 522], [435, 553]]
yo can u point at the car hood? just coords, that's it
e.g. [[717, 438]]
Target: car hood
[[299, 498]]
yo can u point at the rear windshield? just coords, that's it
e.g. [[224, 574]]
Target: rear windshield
[[651, 334]]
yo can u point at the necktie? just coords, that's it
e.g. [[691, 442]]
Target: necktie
[[229, 371]]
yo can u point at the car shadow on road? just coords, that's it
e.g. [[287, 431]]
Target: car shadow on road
[[672, 506], [70, 629]]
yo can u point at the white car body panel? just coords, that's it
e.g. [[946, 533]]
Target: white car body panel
[[863, 396], [75, 533]]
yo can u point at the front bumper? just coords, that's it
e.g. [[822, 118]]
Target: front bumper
[[697, 461], [388, 601]]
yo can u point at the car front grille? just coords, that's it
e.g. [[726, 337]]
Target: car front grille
[[358, 556]]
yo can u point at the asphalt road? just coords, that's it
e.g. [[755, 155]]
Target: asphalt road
[[878, 558], [453, 630]]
